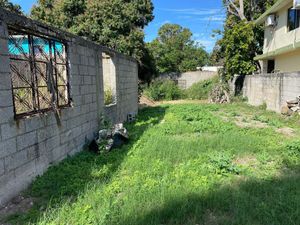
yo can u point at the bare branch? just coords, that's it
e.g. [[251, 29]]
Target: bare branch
[[239, 10], [232, 12]]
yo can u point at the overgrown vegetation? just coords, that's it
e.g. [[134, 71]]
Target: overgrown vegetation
[[201, 89], [185, 164], [163, 90], [108, 96]]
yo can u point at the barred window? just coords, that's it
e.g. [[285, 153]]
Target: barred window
[[39, 73]]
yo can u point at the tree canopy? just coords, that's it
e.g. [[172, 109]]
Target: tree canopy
[[175, 51], [242, 39], [114, 23], [10, 6]]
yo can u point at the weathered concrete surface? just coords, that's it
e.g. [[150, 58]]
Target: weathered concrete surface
[[186, 80], [28, 146], [272, 89]]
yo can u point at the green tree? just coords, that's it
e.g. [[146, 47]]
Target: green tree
[[10, 6], [175, 51], [117, 24], [242, 40]]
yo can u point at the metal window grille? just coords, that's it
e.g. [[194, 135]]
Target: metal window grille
[[39, 73]]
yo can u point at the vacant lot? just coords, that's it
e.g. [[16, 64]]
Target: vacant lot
[[185, 164]]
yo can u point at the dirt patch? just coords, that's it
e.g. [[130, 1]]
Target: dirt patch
[[287, 131], [247, 160], [243, 122], [146, 102], [17, 205]]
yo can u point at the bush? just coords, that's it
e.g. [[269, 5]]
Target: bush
[[163, 90], [201, 89]]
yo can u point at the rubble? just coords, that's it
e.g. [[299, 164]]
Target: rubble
[[291, 107], [109, 139], [219, 94]]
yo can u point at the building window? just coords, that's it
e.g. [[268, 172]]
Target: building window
[[271, 66], [293, 19], [39, 73]]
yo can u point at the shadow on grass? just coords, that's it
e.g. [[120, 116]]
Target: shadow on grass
[[253, 202], [73, 175]]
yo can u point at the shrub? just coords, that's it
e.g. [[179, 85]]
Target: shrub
[[201, 89], [163, 90], [108, 96]]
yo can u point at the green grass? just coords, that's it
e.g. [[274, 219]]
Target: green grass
[[184, 165]]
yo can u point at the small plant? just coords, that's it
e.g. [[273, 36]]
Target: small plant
[[104, 122], [223, 165], [108, 96]]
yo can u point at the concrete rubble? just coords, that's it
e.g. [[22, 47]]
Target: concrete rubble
[[109, 139], [291, 107]]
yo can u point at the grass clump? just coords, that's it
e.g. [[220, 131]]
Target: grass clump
[[201, 90], [183, 165], [108, 96], [163, 90]]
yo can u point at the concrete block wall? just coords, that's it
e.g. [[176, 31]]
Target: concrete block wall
[[29, 145], [190, 78], [126, 92], [272, 89]]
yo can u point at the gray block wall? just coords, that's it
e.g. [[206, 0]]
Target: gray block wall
[[29, 145], [272, 89], [189, 78]]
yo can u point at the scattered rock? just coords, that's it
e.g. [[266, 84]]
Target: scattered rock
[[292, 106], [295, 108], [109, 139], [103, 134], [285, 110]]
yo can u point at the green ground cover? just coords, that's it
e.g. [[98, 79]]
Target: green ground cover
[[185, 164]]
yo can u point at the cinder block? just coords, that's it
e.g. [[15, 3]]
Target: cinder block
[[26, 140], [2, 169], [4, 65], [8, 131], [6, 114], [5, 83], [14, 161], [8, 147]]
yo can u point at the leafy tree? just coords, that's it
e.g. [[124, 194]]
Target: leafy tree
[[10, 6], [117, 24], [175, 51], [242, 40]]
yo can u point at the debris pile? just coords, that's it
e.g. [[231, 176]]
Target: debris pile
[[109, 139], [219, 94], [292, 106]]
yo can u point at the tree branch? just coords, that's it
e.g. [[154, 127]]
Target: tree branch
[[239, 10]]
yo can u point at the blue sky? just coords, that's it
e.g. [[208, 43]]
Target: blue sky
[[200, 16]]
